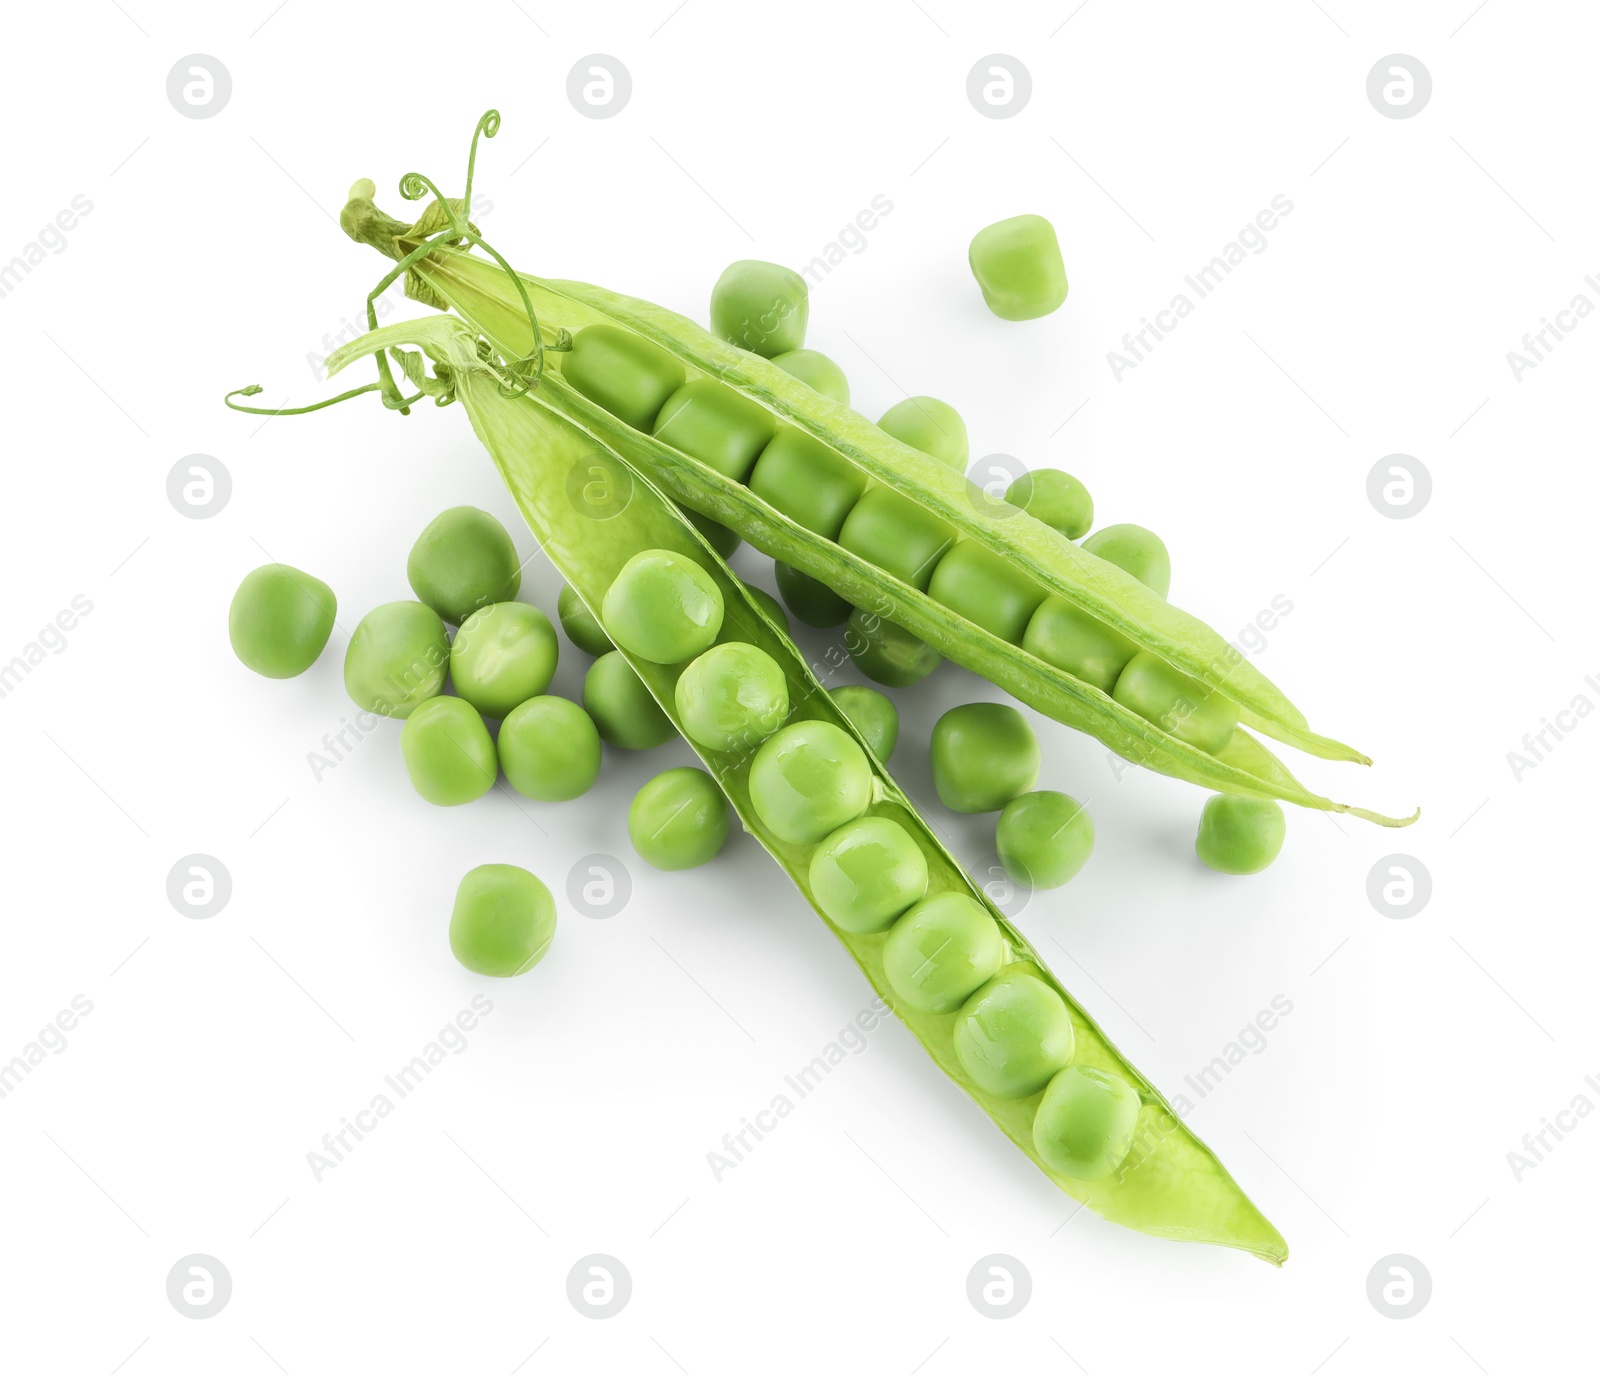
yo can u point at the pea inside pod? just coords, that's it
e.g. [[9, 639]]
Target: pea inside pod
[[931, 425]]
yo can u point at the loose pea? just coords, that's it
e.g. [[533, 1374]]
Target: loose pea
[[817, 371], [978, 584], [1084, 1126], [550, 749], [1013, 1034], [1177, 703], [448, 752], [808, 780], [617, 370], [503, 921], [503, 654], [805, 480], [1239, 835], [984, 754], [871, 713], [732, 697], [1056, 498], [886, 653], [663, 607], [463, 560], [941, 951], [718, 536], [1135, 550], [679, 819], [761, 307], [897, 535], [813, 602], [621, 706], [1018, 266], [770, 604], [280, 619], [716, 425], [867, 873], [579, 623], [396, 659], [930, 425], [1073, 640], [1044, 838]]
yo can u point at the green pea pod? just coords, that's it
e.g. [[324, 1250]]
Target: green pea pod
[[591, 513], [492, 300]]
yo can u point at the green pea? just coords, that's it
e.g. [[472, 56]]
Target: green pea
[[1135, 550], [897, 535], [932, 426], [871, 713], [621, 706], [1075, 641], [502, 655], [817, 371], [979, 585], [770, 604], [579, 623], [984, 754], [280, 619], [716, 425], [679, 819], [732, 697], [1013, 1034], [886, 653], [761, 307], [941, 951], [622, 373], [1084, 1126], [1044, 838], [1239, 835], [719, 537], [448, 752], [550, 749], [1018, 266], [805, 480], [867, 873], [808, 780], [503, 921], [1056, 498], [397, 658], [813, 602], [463, 560], [1177, 703], [662, 607]]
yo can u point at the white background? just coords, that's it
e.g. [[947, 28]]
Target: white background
[[1378, 1116]]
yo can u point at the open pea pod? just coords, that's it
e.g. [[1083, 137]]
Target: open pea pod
[[499, 304], [591, 513]]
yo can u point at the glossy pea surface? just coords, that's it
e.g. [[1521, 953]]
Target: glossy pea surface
[[897, 535], [462, 561], [1076, 642], [662, 607], [817, 371], [502, 655], [808, 780], [1056, 498], [716, 425], [621, 706], [941, 951], [579, 623], [1044, 838], [805, 480], [1180, 705], [813, 603], [983, 754], [732, 697], [871, 713], [760, 306], [886, 653], [280, 619], [1135, 550], [1085, 1122], [448, 752], [679, 819], [549, 749], [1239, 835], [503, 921], [1013, 1035], [397, 658], [1018, 267], [624, 374], [930, 425], [867, 873], [982, 587]]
